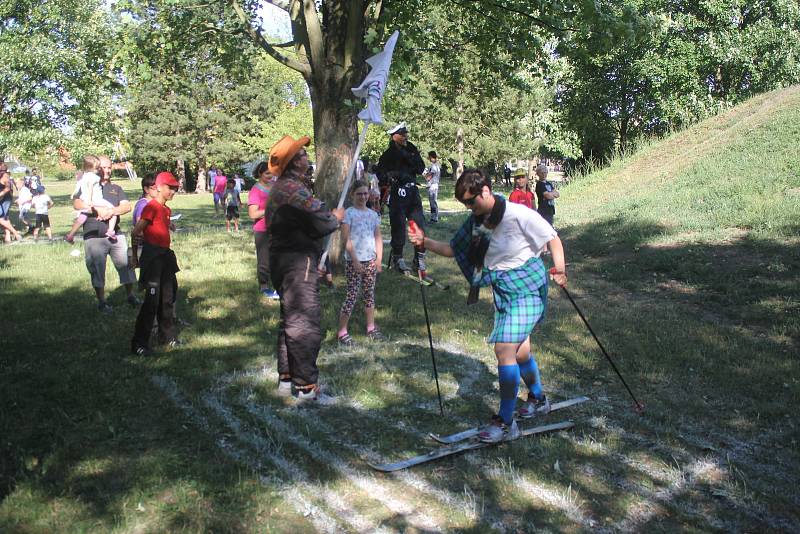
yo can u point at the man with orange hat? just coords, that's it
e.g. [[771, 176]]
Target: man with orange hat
[[158, 266], [297, 224]]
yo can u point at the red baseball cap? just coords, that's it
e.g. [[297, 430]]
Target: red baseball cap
[[166, 178]]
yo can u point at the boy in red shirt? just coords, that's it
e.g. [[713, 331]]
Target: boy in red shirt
[[158, 266], [522, 193]]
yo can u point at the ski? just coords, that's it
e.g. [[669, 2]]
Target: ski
[[468, 445], [430, 282], [466, 434]]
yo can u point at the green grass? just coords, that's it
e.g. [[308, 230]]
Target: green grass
[[696, 301]]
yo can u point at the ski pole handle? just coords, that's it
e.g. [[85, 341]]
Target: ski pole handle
[[413, 227], [554, 271]]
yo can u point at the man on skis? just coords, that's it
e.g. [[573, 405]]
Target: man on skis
[[501, 245]]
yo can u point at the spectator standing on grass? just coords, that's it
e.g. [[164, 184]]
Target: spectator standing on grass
[[361, 232], [95, 245], [231, 200], [501, 245], [297, 224], [91, 193], [256, 208], [6, 198], [432, 174], [212, 175], [220, 183], [522, 192], [238, 183], [42, 203], [546, 194], [506, 174], [158, 267], [374, 190], [35, 180], [399, 167], [149, 192], [24, 198]]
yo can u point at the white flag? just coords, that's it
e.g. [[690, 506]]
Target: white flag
[[374, 84]]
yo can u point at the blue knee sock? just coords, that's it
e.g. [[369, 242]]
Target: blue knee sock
[[530, 374], [509, 386]]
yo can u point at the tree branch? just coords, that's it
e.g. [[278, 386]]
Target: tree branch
[[313, 29], [258, 38], [372, 21], [280, 4], [355, 28]]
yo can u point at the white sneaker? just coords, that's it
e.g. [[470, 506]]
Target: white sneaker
[[284, 388], [498, 431], [313, 396], [534, 406]]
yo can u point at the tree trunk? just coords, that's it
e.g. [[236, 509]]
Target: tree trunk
[[202, 173], [335, 137], [623, 134], [181, 167], [460, 150]]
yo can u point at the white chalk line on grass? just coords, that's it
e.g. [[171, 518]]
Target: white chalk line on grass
[[549, 496], [369, 485], [640, 513], [321, 521], [357, 521], [446, 498]]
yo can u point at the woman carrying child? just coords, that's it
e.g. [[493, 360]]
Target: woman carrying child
[[361, 232]]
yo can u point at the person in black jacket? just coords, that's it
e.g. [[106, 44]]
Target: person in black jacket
[[398, 167], [297, 224]]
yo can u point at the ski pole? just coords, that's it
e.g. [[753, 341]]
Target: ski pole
[[639, 407], [413, 227]]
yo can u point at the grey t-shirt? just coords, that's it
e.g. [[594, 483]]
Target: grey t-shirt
[[435, 171], [362, 225]]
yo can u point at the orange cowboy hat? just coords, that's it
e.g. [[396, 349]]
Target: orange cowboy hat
[[283, 151]]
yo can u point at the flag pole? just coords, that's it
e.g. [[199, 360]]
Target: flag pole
[[371, 89], [351, 171]]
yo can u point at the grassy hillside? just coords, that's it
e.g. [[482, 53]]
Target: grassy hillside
[[711, 214], [684, 257]]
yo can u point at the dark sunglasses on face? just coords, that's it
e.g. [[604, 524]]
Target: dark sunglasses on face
[[469, 202], [362, 194]]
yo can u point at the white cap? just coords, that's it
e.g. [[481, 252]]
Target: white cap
[[395, 129]]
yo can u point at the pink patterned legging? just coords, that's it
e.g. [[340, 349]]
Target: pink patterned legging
[[355, 281]]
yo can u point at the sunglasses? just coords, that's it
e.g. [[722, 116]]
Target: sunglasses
[[361, 194], [469, 202]]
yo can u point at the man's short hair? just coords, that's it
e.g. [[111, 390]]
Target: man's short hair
[[471, 180], [432, 154]]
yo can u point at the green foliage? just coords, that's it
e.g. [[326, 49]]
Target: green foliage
[[56, 70], [684, 62], [203, 100]]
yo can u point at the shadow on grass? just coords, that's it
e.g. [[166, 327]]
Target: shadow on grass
[[84, 426]]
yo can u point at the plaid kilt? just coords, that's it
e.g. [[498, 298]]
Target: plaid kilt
[[520, 300]]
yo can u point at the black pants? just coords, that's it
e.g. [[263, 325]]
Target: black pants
[[295, 277], [262, 257], [403, 208], [160, 286]]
